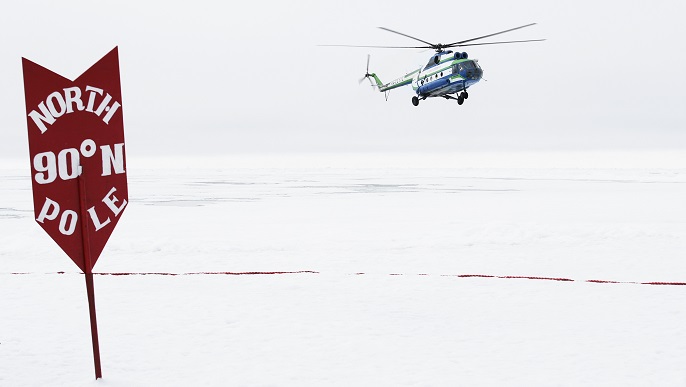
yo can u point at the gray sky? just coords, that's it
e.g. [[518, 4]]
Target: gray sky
[[228, 77]]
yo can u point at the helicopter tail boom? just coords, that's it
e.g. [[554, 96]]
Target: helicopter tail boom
[[378, 82], [402, 81]]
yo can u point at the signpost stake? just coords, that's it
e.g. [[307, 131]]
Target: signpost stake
[[94, 324], [90, 289]]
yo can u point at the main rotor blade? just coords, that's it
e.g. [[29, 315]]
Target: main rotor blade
[[407, 36], [489, 35], [347, 45], [368, 57], [484, 44]]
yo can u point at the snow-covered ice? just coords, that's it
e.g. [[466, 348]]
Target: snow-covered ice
[[407, 320]]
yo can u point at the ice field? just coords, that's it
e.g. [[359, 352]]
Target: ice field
[[359, 277]]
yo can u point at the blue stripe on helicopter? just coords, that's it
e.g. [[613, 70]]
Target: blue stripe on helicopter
[[433, 86], [445, 86]]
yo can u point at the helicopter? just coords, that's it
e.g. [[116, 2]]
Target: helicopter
[[447, 74]]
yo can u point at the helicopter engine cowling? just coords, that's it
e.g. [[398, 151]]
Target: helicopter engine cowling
[[464, 55]]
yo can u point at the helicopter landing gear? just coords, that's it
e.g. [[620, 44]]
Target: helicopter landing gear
[[462, 97], [415, 101]]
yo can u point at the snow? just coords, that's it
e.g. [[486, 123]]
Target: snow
[[370, 291]]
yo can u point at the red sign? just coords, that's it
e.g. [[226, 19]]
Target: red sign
[[78, 165]]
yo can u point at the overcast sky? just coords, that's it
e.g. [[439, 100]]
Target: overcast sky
[[229, 77]]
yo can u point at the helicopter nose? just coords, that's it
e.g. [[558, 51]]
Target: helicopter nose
[[474, 74]]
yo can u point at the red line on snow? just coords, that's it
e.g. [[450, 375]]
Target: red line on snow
[[219, 273], [537, 278], [234, 273], [470, 276], [194, 273], [605, 282]]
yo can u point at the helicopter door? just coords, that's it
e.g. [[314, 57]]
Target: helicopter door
[[417, 80]]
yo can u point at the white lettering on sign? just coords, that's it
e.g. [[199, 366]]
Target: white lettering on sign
[[91, 98], [45, 164], [46, 213], [69, 218], [72, 95], [112, 159], [63, 102], [96, 221], [88, 148], [56, 97], [111, 202], [68, 222], [67, 164], [50, 211], [42, 119]]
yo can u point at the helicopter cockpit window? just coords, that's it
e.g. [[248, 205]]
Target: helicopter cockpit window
[[468, 65], [464, 67]]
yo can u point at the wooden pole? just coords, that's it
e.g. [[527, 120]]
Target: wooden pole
[[88, 272]]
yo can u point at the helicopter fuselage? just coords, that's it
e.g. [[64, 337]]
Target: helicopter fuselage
[[446, 73]]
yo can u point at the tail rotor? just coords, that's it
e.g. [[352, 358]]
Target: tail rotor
[[367, 75]]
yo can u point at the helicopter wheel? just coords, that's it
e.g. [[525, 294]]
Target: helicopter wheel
[[465, 95], [460, 100], [415, 101]]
